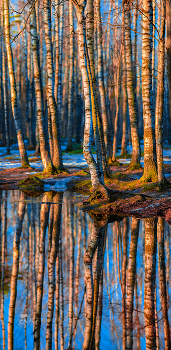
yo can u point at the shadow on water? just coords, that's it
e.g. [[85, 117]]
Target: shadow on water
[[70, 281]]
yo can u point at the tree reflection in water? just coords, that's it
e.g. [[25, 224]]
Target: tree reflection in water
[[69, 282]]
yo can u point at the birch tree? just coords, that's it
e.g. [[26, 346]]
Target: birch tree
[[14, 99], [150, 171], [96, 172], [57, 153], [44, 148], [160, 99], [101, 77], [135, 159], [71, 78]]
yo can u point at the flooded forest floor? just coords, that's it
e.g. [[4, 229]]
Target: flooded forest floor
[[129, 195]]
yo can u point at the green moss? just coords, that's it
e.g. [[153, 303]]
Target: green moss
[[115, 163], [31, 183], [135, 166], [83, 173], [124, 156], [25, 165]]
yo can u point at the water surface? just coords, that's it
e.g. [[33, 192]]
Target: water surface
[[70, 283]]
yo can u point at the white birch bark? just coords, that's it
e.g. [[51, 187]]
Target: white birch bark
[[150, 173], [57, 153], [135, 160], [44, 148], [14, 100], [159, 120], [71, 78]]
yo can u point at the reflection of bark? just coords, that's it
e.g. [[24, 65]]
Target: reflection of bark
[[51, 266], [98, 285], [44, 215], [131, 273], [162, 281], [27, 269], [57, 303], [77, 276], [61, 294], [149, 285], [71, 274], [124, 265], [3, 248], [92, 291], [15, 268]]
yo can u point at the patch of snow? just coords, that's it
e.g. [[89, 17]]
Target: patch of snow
[[59, 185]]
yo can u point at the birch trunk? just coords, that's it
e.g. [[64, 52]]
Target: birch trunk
[[5, 83], [124, 91], [150, 172], [96, 115], [57, 153], [117, 94], [135, 160], [44, 148], [97, 176], [57, 48], [160, 99], [101, 77], [60, 48], [168, 47], [14, 100], [71, 78]]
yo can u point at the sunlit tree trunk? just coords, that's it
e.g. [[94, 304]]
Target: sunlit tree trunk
[[149, 283], [44, 148], [135, 160], [96, 172], [96, 115], [162, 281], [15, 268], [124, 92], [14, 100], [57, 47], [71, 78], [57, 153], [160, 99], [60, 48], [168, 47], [101, 77], [150, 172], [117, 94], [5, 83]]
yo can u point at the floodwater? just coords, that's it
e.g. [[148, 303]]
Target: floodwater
[[70, 283]]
